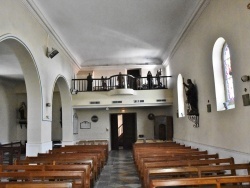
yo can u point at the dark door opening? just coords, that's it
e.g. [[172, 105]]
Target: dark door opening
[[123, 130], [134, 72]]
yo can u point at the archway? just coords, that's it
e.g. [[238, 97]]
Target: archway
[[62, 89], [19, 53]]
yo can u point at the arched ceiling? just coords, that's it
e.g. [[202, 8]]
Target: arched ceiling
[[115, 32]]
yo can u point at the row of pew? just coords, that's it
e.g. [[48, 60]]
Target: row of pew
[[170, 164], [10, 151], [76, 166]]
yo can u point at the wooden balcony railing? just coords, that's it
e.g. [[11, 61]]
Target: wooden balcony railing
[[121, 81]]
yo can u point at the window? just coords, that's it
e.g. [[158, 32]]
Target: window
[[228, 78], [180, 92], [223, 78]]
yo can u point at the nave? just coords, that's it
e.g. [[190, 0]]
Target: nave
[[119, 172]]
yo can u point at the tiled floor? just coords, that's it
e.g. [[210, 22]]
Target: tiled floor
[[119, 172]]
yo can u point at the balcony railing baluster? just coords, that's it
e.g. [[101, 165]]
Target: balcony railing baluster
[[126, 82]]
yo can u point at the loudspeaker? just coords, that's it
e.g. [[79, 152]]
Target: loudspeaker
[[52, 53]]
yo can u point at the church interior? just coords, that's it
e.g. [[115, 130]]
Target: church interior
[[125, 76]]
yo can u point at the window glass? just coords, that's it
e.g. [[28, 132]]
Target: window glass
[[228, 75], [180, 91], [223, 77]]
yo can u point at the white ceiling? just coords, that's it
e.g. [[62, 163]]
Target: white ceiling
[[110, 32], [113, 32]]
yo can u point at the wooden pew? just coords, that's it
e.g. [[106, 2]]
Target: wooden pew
[[175, 158], [168, 154], [76, 177], [214, 181], [68, 161], [11, 150], [197, 171], [49, 184], [163, 152], [103, 148], [68, 167], [51, 158], [101, 153], [149, 168], [75, 167], [155, 146]]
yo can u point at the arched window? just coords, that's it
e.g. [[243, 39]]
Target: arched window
[[223, 78], [180, 92]]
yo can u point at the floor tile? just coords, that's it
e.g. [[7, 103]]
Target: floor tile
[[119, 172]]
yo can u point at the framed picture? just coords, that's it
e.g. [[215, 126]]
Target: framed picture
[[85, 125]]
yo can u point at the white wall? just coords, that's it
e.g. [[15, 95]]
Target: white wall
[[101, 129], [226, 130], [56, 126], [7, 112], [33, 37]]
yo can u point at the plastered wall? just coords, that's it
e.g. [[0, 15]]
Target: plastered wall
[[225, 130]]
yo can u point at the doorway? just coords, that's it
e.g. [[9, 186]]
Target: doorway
[[134, 72], [123, 130]]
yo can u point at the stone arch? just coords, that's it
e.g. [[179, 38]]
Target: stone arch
[[33, 89]]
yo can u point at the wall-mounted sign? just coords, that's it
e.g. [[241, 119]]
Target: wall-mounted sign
[[85, 125], [94, 118]]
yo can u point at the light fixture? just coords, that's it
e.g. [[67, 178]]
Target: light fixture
[[245, 78], [52, 53], [74, 91]]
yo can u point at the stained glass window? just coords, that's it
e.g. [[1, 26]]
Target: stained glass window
[[228, 78]]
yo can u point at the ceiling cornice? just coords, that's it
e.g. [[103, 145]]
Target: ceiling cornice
[[187, 26], [33, 9]]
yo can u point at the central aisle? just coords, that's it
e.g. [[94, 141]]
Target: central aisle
[[119, 172]]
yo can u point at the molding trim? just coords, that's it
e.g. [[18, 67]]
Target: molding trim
[[187, 26]]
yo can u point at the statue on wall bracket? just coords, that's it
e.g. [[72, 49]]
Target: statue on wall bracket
[[192, 101], [22, 114]]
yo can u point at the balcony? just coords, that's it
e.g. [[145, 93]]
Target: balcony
[[121, 91], [120, 81]]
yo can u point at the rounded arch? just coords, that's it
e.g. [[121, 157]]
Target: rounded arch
[[32, 83], [219, 75], [66, 106]]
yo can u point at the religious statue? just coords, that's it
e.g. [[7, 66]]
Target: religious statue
[[23, 111], [149, 79], [90, 81], [192, 97], [120, 80], [158, 78], [23, 114], [104, 83]]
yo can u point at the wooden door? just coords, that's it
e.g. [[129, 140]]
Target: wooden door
[[114, 132], [129, 130], [163, 128]]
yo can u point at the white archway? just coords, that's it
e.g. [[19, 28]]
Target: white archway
[[33, 90], [67, 115]]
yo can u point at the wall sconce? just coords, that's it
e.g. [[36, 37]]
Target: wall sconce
[[48, 104], [245, 78], [52, 53]]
